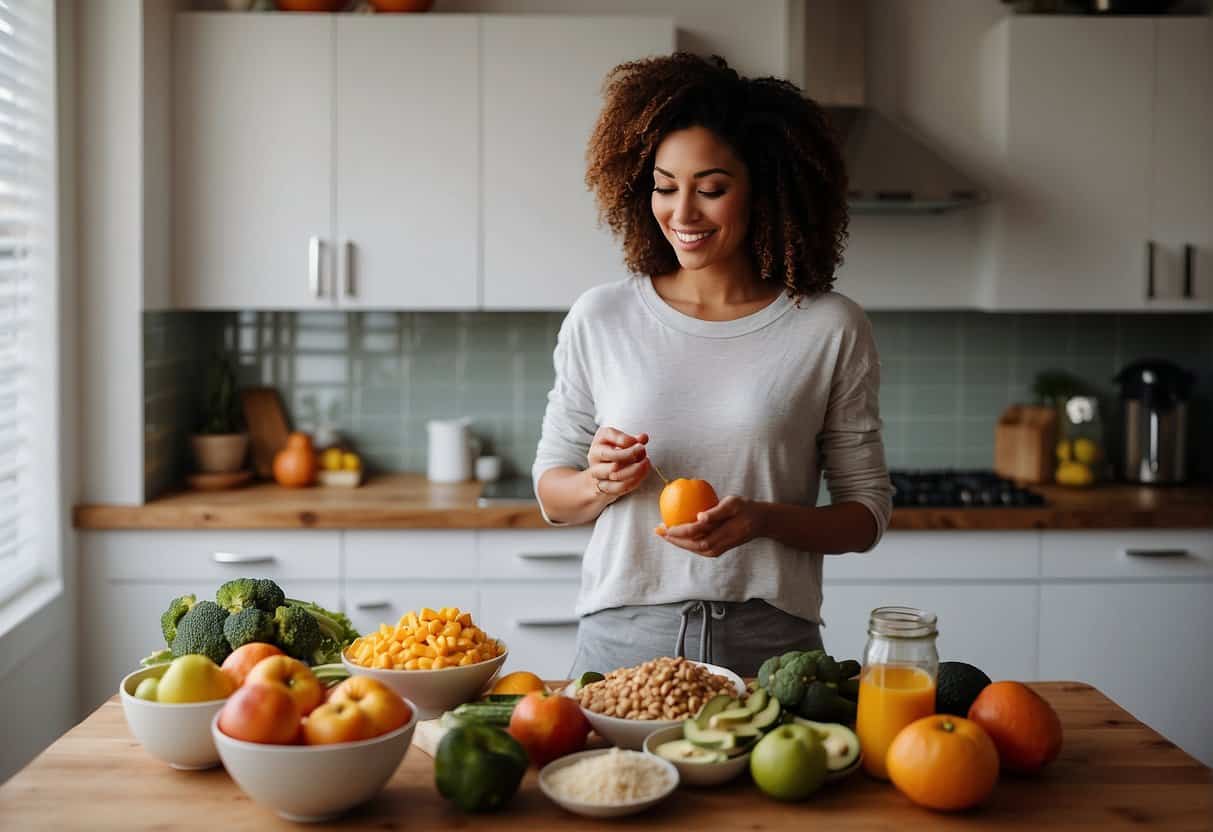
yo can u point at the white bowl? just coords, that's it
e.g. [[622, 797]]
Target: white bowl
[[697, 774], [601, 810], [314, 782], [630, 733], [435, 691], [177, 733]]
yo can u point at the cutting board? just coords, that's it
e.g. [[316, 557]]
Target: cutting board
[[265, 418]]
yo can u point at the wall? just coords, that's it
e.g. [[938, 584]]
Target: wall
[[378, 377]]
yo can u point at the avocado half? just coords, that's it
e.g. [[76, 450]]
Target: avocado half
[[843, 755]]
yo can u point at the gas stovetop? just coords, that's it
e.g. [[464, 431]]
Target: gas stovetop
[[959, 489]]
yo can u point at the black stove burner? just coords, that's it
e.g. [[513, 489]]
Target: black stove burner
[[959, 489]]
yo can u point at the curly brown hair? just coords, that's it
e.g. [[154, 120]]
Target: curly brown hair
[[798, 210]]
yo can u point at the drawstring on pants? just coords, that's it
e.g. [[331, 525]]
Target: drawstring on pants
[[708, 610]]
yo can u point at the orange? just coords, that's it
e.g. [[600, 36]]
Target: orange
[[682, 500], [1024, 727], [943, 762], [518, 682]]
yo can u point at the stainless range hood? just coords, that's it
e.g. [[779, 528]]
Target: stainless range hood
[[890, 170]]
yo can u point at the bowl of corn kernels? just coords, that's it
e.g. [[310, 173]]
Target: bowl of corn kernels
[[436, 658]]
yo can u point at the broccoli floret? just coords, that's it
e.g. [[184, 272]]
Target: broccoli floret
[[297, 632], [250, 593], [201, 631], [269, 595], [247, 626], [177, 608], [789, 680]]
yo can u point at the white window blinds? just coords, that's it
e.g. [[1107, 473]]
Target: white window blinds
[[27, 284]]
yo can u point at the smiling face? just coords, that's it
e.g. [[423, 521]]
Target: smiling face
[[701, 198]]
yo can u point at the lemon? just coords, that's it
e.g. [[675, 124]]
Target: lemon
[[1064, 451], [331, 459], [518, 682], [1086, 451], [1074, 473], [350, 462]]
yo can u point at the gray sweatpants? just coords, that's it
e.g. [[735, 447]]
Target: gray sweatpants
[[739, 636]]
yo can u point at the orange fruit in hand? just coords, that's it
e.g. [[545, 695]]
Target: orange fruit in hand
[[1024, 727], [682, 499], [943, 762]]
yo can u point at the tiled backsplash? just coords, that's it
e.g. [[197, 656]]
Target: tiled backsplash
[[377, 377]]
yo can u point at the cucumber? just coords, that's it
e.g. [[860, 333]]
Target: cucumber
[[507, 698], [486, 713]]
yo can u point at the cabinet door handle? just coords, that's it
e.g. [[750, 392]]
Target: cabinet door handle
[[1157, 553], [549, 555], [347, 269], [236, 559], [314, 246], [367, 606], [1189, 268], [546, 622], [1150, 269]]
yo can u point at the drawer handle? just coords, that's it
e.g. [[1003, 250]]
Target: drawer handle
[[549, 555], [234, 559], [1157, 553], [546, 622], [373, 605]]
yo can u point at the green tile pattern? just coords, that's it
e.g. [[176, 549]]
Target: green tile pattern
[[377, 377]]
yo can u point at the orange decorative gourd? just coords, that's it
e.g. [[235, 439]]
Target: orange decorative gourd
[[682, 499], [943, 762], [1025, 728], [295, 465]]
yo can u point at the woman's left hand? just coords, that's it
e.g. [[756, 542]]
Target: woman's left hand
[[726, 525]]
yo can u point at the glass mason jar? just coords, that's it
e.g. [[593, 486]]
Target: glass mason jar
[[897, 683]]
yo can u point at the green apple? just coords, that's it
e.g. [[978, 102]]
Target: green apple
[[194, 678], [147, 689], [789, 763]]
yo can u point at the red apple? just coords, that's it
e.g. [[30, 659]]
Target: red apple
[[548, 726], [344, 721], [261, 713], [293, 676], [382, 705], [243, 659]]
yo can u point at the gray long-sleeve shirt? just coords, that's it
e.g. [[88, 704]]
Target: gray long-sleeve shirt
[[761, 406]]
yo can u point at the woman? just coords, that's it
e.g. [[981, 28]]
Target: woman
[[726, 358]]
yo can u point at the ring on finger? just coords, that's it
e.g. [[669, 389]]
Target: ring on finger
[[599, 483]]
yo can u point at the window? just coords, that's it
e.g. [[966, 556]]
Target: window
[[28, 296]]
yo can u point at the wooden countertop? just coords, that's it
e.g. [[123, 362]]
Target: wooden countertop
[[1113, 773], [408, 501]]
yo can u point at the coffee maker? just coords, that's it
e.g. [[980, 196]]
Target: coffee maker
[[1154, 408]]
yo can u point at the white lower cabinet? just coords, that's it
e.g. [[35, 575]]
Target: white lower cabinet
[[536, 622], [992, 626], [1145, 645], [369, 604]]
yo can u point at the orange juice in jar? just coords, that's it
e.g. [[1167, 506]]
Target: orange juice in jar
[[897, 685]]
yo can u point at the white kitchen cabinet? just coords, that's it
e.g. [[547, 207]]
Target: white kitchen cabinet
[[532, 554], [1145, 645], [128, 578], [1073, 211], [407, 161], [252, 161], [369, 604], [542, 82], [536, 622], [991, 625], [1182, 186], [408, 554]]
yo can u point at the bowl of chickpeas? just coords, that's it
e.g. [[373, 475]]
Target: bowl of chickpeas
[[435, 658]]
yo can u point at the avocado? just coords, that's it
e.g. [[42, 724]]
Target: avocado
[[684, 751], [708, 737], [757, 700], [822, 703], [719, 702], [956, 686], [849, 689], [849, 668], [768, 717], [729, 717], [841, 743]]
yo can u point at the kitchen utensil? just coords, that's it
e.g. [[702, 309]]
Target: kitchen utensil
[[1025, 440], [218, 482], [267, 426], [451, 450], [1154, 397]]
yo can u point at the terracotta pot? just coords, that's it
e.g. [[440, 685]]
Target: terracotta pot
[[309, 5], [219, 453], [402, 5]]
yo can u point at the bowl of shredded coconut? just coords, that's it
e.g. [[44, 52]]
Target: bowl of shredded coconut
[[608, 782]]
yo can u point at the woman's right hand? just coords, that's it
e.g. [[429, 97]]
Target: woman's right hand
[[618, 462]]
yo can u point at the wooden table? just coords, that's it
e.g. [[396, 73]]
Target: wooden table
[[1113, 772]]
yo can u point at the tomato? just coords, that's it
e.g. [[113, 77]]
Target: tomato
[[383, 708], [548, 726]]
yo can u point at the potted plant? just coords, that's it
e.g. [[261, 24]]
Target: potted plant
[[220, 446]]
